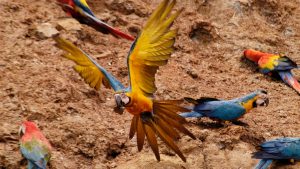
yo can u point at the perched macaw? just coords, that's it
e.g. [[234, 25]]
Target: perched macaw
[[227, 110], [150, 50], [277, 149], [275, 65], [34, 146], [80, 10]]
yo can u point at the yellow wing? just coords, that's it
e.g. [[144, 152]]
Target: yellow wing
[[152, 49], [89, 70]]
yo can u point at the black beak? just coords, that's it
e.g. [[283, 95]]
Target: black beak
[[267, 102], [119, 108]]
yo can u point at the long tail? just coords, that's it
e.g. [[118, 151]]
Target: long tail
[[289, 79], [105, 28], [164, 122], [191, 114], [263, 164]]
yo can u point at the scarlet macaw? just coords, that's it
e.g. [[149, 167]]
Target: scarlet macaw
[[149, 51], [275, 65], [277, 149], [228, 110], [34, 146], [80, 10]]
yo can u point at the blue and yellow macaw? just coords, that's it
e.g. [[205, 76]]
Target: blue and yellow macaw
[[34, 146], [275, 65], [227, 110], [149, 51], [278, 149], [80, 10]]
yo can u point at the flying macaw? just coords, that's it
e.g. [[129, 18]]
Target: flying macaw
[[34, 146], [150, 50], [275, 65], [278, 149], [227, 110], [80, 10]]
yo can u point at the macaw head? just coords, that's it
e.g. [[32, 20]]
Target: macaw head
[[122, 100], [254, 55], [27, 126], [262, 98]]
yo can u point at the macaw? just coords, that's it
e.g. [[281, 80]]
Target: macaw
[[34, 146], [277, 149], [152, 49], [275, 65], [226, 110], [80, 10]]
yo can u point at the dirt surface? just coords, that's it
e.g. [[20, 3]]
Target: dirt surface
[[36, 83]]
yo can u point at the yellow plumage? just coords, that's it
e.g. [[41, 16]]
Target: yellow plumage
[[152, 49], [85, 67]]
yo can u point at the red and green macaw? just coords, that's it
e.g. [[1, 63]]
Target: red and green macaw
[[275, 65], [152, 49], [80, 10], [34, 146]]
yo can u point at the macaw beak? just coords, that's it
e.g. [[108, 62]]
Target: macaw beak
[[21, 131], [263, 101], [119, 108]]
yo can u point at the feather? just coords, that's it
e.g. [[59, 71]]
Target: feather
[[140, 134], [152, 140]]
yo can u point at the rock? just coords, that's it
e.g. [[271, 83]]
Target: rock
[[192, 72], [68, 24], [45, 30]]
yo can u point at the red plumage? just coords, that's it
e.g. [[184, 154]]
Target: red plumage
[[32, 131]]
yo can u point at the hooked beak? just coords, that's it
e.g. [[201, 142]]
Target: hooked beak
[[263, 99], [119, 108], [21, 131]]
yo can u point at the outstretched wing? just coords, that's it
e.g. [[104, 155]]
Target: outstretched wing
[[89, 70], [152, 48]]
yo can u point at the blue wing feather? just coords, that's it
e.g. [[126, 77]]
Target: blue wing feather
[[282, 148], [83, 7], [36, 156], [223, 110]]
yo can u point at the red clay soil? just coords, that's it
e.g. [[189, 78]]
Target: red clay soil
[[38, 84]]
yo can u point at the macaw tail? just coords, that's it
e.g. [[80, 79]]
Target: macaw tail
[[289, 79], [165, 122], [254, 55], [263, 164], [191, 114], [105, 28], [37, 165]]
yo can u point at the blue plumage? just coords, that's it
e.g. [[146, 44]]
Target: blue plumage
[[83, 7], [36, 157], [281, 148], [223, 109]]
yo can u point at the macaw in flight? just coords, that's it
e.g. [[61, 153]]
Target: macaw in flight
[[226, 110], [80, 10], [275, 65], [151, 49], [34, 146], [286, 148]]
